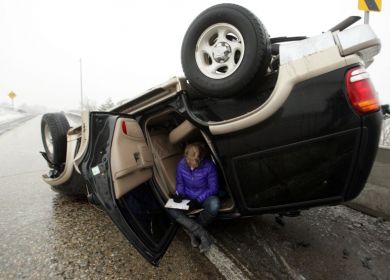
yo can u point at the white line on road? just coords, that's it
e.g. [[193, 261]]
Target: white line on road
[[278, 259], [225, 265]]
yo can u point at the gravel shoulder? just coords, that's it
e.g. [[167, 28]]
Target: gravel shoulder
[[323, 243]]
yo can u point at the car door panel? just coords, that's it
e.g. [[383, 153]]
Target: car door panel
[[135, 210], [131, 160], [301, 172]]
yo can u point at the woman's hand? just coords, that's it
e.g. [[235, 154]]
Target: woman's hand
[[193, 204], [177, 198]]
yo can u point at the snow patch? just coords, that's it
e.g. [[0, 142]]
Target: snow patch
[[7, 115]]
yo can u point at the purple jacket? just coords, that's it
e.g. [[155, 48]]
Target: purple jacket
[[199, 183]]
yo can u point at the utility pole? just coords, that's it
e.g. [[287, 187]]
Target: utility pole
[[366, 17], [81, 85]]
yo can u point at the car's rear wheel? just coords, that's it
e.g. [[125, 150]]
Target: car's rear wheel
[[54, 127], [225, 50]]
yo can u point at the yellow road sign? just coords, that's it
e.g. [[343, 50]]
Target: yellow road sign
[[12, 95], [370, 5]]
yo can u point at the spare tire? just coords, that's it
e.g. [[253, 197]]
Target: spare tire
[[225, 50], [54, 128]]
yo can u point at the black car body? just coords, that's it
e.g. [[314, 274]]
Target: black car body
[[302, 137]]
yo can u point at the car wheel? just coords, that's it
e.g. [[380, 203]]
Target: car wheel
[[54, 127], [225, 50]]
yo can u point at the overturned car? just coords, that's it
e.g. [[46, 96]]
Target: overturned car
[[291, 123]]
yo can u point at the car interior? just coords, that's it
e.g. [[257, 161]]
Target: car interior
[[167, 135]]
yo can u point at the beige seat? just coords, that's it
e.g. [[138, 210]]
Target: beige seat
[[183, 132], [168, 150], [166, 156]]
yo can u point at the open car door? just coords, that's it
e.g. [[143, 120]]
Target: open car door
[[118, 170]]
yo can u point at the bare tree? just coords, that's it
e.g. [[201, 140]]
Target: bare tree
[[89, 104], [107, 105], [121, 102]]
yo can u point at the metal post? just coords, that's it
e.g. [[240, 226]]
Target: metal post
[[366, 17], [81, 85]]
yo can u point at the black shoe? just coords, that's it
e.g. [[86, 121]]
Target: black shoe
[[205, 241], [195, 242]]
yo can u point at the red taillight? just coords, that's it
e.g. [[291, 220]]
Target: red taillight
[[361, 91], [124, 128]]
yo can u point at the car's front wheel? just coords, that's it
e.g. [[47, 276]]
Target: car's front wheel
[[225, 50], [54, 127]]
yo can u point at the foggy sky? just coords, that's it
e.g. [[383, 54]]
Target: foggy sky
[[130, 46]]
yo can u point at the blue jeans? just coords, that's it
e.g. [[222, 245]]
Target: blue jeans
[[211, 206]]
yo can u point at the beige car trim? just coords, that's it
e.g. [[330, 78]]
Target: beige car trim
[[290, 74], [84, 140], [170, 89], [68, 170]]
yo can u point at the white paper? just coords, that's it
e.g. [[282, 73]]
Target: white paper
[[181, 205]]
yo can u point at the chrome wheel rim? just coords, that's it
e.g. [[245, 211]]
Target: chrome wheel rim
[[219, 50], [49, 140]]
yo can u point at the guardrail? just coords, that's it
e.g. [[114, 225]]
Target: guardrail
[[74, 118], [375, 197], [72, 113]]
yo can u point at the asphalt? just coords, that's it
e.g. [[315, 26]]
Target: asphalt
[[44, 235], [323, 243]]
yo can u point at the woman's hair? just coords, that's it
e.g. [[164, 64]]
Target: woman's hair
[[195, 151]]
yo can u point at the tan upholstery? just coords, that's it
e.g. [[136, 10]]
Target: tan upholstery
[[167, 156], [131, 159], [169, 166], [162, 146], [183, 132]]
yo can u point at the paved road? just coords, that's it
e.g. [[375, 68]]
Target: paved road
[[323, 243], [46, 236]]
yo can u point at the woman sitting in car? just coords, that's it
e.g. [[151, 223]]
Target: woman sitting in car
[[197, 180]]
